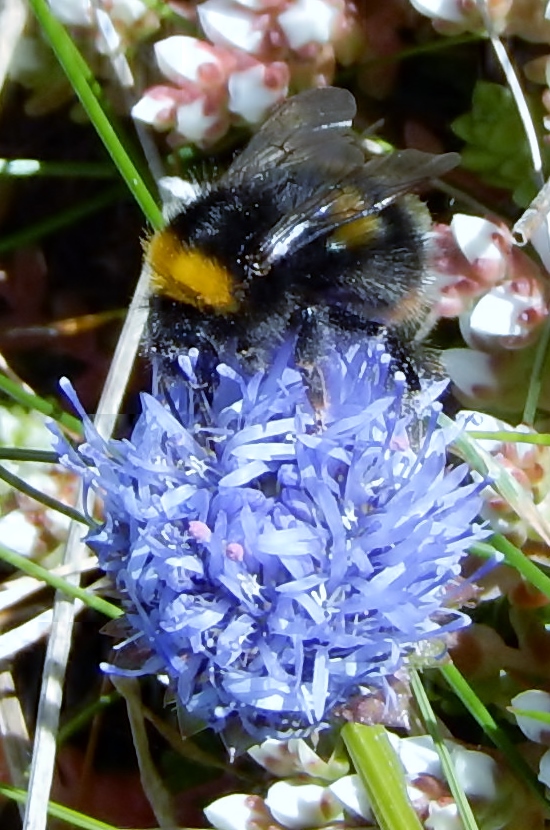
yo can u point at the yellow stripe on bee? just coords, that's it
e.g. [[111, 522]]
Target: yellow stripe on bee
[[188, 275], [359, 232], [350, 232]]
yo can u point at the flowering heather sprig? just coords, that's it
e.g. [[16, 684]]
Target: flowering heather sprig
[[312, 793], [273, 559], [210, 87], [529, 465], [243, 65], [498, 293]]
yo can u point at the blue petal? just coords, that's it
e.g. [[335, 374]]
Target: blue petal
[[274, 560]]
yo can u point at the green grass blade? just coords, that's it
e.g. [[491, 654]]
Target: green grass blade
[[58, 811], [481, 714], [60, 219], [515, 558], [29, 400], [381, 773], [22, 563], [42, 498], [83, 718], [86, 88], [28, 168], [22, 454], [430, 722], [537, 376]]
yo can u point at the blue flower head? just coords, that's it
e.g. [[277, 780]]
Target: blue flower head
[[275, 559]]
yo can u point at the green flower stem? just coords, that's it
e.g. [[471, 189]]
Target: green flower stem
[[25, 168], [515, 558], [465, 811], [23, 454], [58, 811], [537, 376], [481, 714], [539, 439], [29, 400], [22, 563], [424, 49], [517, 497], [381, 773], [60, 219], [534, 714], [86, 88], [48, 501], [85, 716]]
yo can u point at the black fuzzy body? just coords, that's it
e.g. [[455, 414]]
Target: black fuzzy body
[[326, 294]]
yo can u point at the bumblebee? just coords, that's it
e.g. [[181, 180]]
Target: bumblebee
[[302, 234]]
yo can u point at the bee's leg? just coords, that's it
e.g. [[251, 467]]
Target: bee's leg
[[407, 356], [311, 324], [180, 345]]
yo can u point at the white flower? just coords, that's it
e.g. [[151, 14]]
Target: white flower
[[540, 239], [544, 769], [533, 700], [508, 316], [472, 371], [123, 14], [449, 10], [260, 5], [476, 772], [237, 811], [73, 12], [301, 806], [280, 758], [195, 124], [443, 817], [18, 532], [477, 237], [196, 106], [157, 107], [309, 21], [351, 793], [295, 757], [183, 58], [418, 755], [251, 97], [228, 24], [128, 12]]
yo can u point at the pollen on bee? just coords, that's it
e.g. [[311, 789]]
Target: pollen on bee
[[359, 232], [187, 275], [354, 226]]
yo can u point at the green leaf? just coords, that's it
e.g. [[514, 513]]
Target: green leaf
[[495, 143], [381, 773]]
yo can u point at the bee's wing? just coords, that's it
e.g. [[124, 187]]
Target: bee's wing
[[406, 170], [314, 125], [355, 195]]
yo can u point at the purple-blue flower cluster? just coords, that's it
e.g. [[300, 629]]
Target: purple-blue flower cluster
[[274, 558]]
